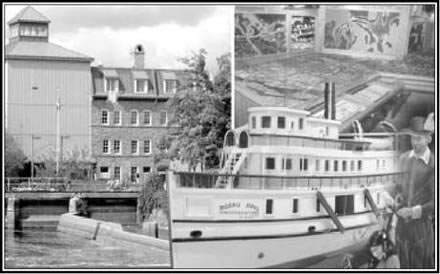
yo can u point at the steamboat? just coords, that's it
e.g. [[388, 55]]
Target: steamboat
[[291, 191]]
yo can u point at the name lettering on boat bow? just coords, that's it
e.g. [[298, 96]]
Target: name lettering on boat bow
[[241, 210]]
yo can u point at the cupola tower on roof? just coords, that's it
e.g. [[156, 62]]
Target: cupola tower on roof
[[29, 25]]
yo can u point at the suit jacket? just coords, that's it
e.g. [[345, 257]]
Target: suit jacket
[[418, 184]]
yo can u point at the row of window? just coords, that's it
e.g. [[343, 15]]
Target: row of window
[[281, 122], [140, 85], [117, 171], [134, 147], [344, 204], [134, 118], [286, 164]]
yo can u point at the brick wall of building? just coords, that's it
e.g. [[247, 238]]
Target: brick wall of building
[[125, 133]]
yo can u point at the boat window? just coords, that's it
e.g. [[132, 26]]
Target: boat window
[[292, 125], [377, 164], [327, 165], [254, 122], [317, 163], [383, 163], [344, 165], [335, 165], [270, 163], [306, 163], [326, 131], [281, 122], [269, 206], [352, 165], [230, 139], [359, 165], [265, 122], [344, 204], [243, 140], [300, 164], [318, 205], [301, 123], [288, 164], [377, 198], [295, 206]]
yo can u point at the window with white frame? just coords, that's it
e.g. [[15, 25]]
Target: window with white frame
[[141, 86], [117, 146], [134, 147], [104, 172], [170, 86], [134, 117], [104, 117], [147, 146], [147, 118], [105, 147], [163, 118], [117, 173], [134, 176], [117, 117], [111, 84]]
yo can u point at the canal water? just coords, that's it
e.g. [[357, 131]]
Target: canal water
[[40, 249]]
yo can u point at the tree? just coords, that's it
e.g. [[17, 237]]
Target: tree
[[152, 196], [201, 109], [14, 157], [74, 164]]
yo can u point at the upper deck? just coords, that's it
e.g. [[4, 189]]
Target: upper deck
[[281, 126]]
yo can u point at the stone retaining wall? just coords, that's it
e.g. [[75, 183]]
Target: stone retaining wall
[[106, 232]]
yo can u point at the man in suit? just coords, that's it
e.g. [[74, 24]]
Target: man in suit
[[414, 229]]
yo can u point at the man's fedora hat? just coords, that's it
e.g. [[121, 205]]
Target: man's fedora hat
[[417, 126]]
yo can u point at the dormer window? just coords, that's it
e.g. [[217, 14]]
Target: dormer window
[[111, 80], [141, 86], [170, 86], [140, 81], [111, 84], [169, 82]]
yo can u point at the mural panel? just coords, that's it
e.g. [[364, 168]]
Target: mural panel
[[302, 32], [259, 34], [362, 31]]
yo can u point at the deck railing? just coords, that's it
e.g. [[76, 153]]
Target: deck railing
[[204, 180], [62, 184]]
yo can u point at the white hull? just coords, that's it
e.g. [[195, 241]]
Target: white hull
[[270, 252]]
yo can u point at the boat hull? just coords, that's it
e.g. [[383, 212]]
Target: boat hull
[[295, 251]]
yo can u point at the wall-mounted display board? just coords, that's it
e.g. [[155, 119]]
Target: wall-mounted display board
[[365, 30]]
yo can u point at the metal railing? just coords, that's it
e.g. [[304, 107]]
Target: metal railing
[[62, 184], [204, 180]]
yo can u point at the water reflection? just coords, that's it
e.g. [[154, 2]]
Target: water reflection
[[51, 249]]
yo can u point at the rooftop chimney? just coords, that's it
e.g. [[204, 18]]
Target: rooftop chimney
[[333, 101], [138, 57], [330, 101]]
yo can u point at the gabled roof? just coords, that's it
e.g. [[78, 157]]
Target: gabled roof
[[29, 14], [42, 51]]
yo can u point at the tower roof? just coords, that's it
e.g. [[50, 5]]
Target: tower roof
[[29, 14]]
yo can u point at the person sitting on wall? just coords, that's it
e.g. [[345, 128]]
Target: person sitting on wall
[[73, 204], [82, 206], [414, 229]]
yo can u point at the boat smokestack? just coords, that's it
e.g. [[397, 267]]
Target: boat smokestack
[[333, 101], [326, 100]]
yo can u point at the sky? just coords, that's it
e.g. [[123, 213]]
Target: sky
[[108, 33]]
